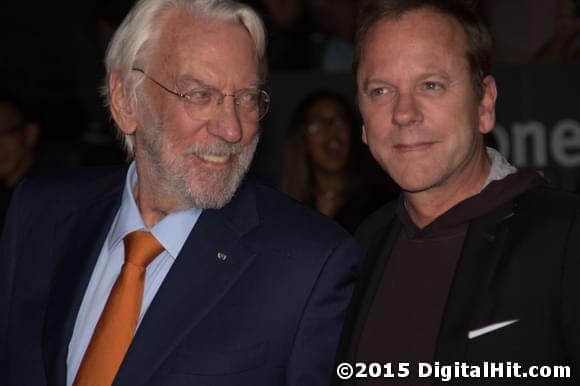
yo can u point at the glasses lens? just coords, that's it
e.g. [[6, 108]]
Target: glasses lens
[[252, 104], [204, 103], [264, 103], [202, 97]]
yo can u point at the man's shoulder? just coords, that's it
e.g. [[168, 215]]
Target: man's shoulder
[[281, 213], [547, 201], [78, 178], [71, 186], [306, 238]]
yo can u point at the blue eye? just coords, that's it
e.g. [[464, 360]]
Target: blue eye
[[433, 86], [376, 92]]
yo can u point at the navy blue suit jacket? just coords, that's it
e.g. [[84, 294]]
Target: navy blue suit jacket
[[270, 314]]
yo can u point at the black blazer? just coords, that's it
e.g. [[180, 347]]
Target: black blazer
[[520, 261], [270, 314]]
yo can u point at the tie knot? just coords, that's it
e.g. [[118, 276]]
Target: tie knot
[[141, 247]]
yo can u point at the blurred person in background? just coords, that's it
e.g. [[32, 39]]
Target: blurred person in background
[[528, 30], [288, 29], [18, 139], [334, 22], [309, 35], [324, 166]]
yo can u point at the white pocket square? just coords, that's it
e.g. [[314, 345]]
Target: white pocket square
[[492, 327]]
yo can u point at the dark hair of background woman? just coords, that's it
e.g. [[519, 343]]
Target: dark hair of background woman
[[365, 186]]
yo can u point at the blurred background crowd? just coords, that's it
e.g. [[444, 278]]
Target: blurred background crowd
[[52, 115]]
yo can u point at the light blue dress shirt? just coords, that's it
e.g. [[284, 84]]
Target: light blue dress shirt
[[172, 232]]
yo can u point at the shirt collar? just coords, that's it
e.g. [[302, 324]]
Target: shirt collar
[[172, 231], [500, 167]]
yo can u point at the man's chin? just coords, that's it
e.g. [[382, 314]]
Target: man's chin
[[214, 187], [215, 190], [211, 199]]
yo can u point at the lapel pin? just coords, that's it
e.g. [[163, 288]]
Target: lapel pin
[[222, 256]]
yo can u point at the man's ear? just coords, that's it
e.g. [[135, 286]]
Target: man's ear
[[122, 106], [364, 135], [487, 105]]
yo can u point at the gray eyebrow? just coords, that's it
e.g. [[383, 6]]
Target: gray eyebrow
[[202, 84]]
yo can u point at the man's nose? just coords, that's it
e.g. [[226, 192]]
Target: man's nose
[[406, 110], [226, 124]]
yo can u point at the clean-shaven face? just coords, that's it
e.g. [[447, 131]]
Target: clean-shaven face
[[423, 120]]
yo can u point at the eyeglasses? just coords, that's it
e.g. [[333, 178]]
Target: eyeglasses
[[251, 104]]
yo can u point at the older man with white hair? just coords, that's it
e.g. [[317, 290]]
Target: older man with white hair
[[175, 270]]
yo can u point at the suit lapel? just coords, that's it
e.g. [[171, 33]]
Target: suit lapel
[[376, 257], [197, 281], [478, 264], [86, 228]]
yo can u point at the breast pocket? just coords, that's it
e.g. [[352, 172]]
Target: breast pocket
[[217, 362], [510, 339]]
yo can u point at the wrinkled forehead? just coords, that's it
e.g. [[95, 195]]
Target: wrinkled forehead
[[183, 37]]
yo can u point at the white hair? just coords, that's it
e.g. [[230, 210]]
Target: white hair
[[132, 40]]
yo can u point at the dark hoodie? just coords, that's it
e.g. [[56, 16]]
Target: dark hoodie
[[403, 322]]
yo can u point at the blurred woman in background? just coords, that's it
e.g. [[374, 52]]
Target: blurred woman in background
[[324, 166]]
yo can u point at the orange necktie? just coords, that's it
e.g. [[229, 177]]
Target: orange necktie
[[117, 324]]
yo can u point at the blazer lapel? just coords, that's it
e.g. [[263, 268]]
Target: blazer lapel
[[371, 273], [86, 228], [210, 262], [479, 261]]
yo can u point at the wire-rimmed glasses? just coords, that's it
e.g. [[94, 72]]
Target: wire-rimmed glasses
[[201, 102]]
